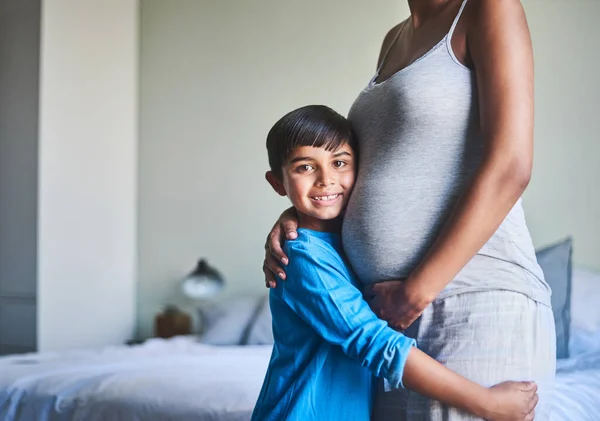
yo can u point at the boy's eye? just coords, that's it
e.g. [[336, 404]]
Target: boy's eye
[[304, 168], [339, 164]]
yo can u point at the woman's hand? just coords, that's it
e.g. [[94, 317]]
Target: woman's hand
[[284, 228], [396, 302]]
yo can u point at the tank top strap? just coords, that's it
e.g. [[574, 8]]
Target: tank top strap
[[456, 19]]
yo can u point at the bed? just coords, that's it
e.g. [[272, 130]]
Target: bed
[[182, 379], [178, 379], [577, 396]]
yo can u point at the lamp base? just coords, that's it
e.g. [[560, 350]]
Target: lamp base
[[172, 322]]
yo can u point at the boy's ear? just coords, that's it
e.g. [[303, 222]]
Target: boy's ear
[[276, 183]]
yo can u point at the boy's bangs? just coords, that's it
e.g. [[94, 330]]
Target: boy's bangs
[[314, 125], [324, 137]]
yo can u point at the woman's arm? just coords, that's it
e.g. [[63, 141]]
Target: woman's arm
[[501, 52]]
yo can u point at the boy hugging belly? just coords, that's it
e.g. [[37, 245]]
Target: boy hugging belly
[[329, 346]]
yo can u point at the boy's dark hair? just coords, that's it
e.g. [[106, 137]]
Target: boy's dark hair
[[312, 125]]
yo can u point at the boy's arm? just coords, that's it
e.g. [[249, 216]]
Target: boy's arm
[[428, 377], [504, 401], [321, 294]]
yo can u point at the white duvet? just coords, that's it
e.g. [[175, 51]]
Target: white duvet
[[177, 380], [577, 396], [182, 380]]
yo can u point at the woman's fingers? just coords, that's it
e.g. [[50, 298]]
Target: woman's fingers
[[405, 323], [376, 305], [369, 292]]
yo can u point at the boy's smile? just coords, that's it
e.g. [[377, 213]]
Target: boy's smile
[[327, 200], [318, 183]]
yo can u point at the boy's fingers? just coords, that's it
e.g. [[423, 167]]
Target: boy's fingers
[[530, 416], [528, 386], [534, 400]]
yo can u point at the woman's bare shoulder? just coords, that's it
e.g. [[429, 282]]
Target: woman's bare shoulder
[[388, 40], [503, 12]]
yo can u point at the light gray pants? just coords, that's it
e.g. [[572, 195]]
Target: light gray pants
[[488, 337]]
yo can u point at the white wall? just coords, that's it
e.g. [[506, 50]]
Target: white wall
[[216, 75], [563, 197], [87, 173]]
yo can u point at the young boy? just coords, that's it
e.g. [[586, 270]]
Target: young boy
[[328, 342]]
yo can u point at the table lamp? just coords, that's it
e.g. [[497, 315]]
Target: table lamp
[[203, 282]]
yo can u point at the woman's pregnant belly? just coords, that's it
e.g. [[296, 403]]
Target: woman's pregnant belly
[[394, 216]]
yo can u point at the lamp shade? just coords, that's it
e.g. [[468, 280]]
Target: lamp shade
[[203, 282]]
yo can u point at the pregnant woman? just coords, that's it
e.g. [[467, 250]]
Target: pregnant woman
[[435, 229]]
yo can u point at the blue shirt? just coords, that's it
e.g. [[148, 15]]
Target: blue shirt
[[328, 343]]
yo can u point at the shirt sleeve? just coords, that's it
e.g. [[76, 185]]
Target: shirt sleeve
[[319, 291]]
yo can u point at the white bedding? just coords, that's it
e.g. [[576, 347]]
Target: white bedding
[[577, 396], [182, 380], [177, 380]]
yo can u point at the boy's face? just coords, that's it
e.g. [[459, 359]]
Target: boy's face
[[318, 182]]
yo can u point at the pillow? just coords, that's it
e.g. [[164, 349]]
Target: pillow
[[585, 312], [226, 322], [261, 331], [585, 300], [555, 261]]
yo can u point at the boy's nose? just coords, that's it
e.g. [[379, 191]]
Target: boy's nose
[[325, 179]]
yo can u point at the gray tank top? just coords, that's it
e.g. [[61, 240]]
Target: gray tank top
[[420, 144]]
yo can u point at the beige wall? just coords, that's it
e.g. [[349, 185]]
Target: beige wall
[[216, 75], [87, 173]]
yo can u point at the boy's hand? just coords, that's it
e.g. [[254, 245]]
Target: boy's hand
[[284, 228], [512, 401]]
